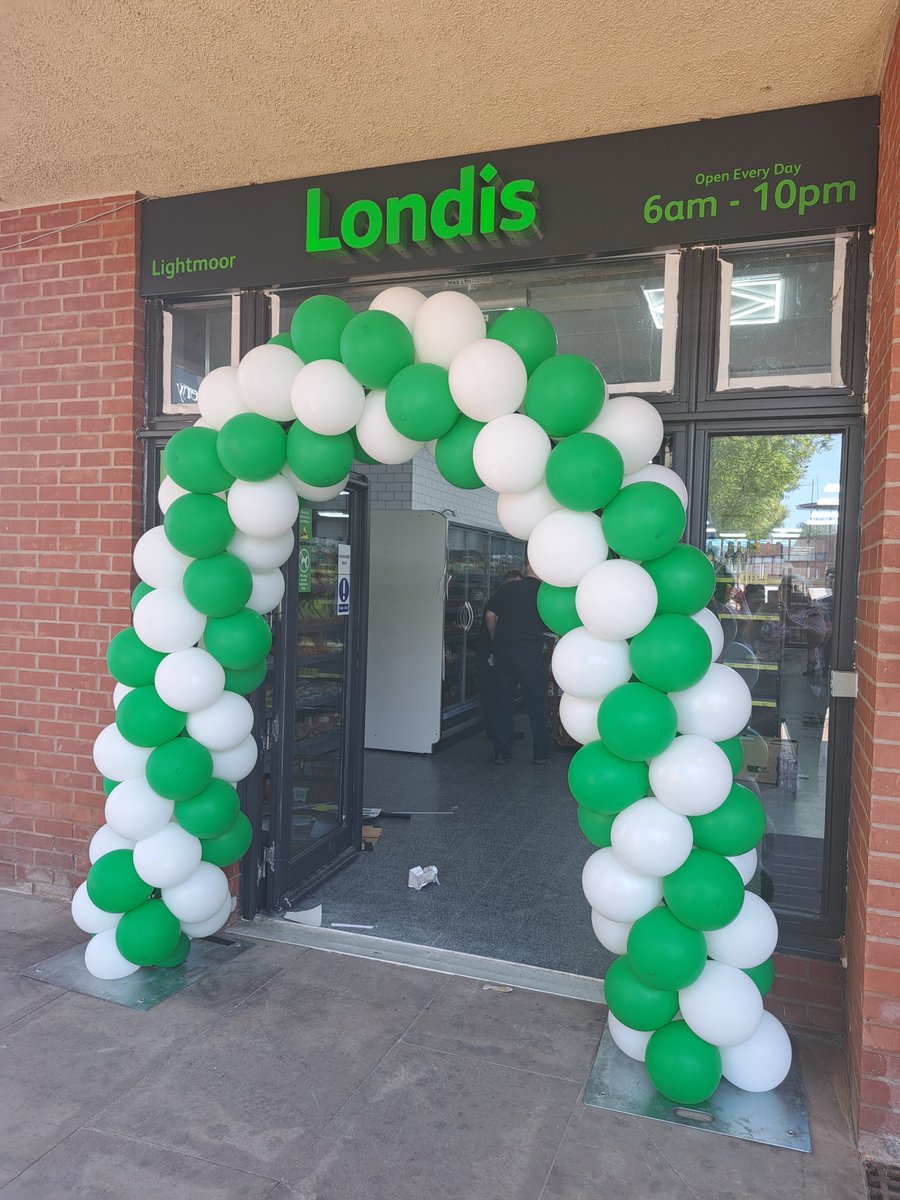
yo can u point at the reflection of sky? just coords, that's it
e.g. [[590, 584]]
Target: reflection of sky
[[824, 468]]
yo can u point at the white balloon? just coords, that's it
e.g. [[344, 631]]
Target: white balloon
[[401, 302], [649, 838], [632, 1042], [222, 726], [564, 545], [166, 621], [167, 857], [692, 775], [219, 397], [262, 554], [168, 493], [520, 512], [511, 452], [326, 397], [713, 626], [201, 929], [105, 840], [263, 510], [763, 1061], [87, 916], [742, 660], [265, 375], [615, 892], [445, 323], [135, 811], [237, 763], [306, 491], [377, 435], [588, 666], [655, 473], [189, 679], [487, 380], [268, 588], [117, 758], [103, 959], [718, 707], [156, 560], [611, 934], [723, 1006], [633, 426], [198, 897], [749, 939], [578, 718], [745, 864], [616, 599], [120, 691]]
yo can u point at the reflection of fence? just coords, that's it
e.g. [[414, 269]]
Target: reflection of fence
[[759, 561]]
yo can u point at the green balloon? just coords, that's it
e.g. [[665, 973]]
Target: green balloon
[[453, 454], [706, 892], [178, 955], [556, 606], [317, 325], [637, 722], [131, 662], [247, 680], [528, 332], [671, 653], [110, 784], [252, 447], [319, 459], [142, 590], [596, 827], [633, 1002], [212, 812], [664, 953], [218, 586], [584, 472], [238, 642], [375, 345], [199, 526], [685, 579], [232, 845], [733, 828], [419, 404], [565, 394], [681, 1066], [282, 339], [192, 460], [359, 454], [114, 885], [604, 783], [644, 521], [179, 769], [734, 749], [148, 933], [763, 975], [144, 719]]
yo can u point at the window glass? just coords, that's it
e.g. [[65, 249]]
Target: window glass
[[197, 338]]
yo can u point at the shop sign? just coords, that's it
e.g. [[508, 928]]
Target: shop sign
[[304, 557], [342, 599]]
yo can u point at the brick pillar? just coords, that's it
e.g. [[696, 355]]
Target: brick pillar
[[873, 900], [71, 381]]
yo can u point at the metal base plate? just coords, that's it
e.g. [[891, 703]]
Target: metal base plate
[[777, 1118], [146, 987]]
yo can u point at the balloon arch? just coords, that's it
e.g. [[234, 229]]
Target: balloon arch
[[657, 717]]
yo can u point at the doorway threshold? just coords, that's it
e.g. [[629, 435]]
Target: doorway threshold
[[425, 958]]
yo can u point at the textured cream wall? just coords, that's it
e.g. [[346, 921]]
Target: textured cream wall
[[169, 96]]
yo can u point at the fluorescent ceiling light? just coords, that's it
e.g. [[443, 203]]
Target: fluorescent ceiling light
[[321, 513], [755, 300]]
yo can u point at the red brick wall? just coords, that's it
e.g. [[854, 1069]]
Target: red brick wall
[[873, 916], [71, 381]]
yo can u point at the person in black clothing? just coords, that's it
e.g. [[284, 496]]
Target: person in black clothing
[[517, 630], [488, 672]]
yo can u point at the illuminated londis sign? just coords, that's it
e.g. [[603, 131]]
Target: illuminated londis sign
[[480, 207]]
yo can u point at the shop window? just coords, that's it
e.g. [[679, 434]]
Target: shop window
[[781, 316], [197, 338]]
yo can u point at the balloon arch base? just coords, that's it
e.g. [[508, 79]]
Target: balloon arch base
[[779, 1117]]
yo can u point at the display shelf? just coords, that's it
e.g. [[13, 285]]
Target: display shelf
[[321, 743], [315, 660], [321, 700]]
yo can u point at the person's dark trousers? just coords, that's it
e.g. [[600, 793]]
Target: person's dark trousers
[[522, 663], [489, 694]]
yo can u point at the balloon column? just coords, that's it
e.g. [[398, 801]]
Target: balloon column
[[657, 718]]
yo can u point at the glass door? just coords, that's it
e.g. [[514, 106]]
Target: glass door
[[317, 729]]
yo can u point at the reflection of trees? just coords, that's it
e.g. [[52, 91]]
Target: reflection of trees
[[749, 476]]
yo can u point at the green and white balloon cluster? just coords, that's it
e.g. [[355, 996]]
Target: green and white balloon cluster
[[657, 717]]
